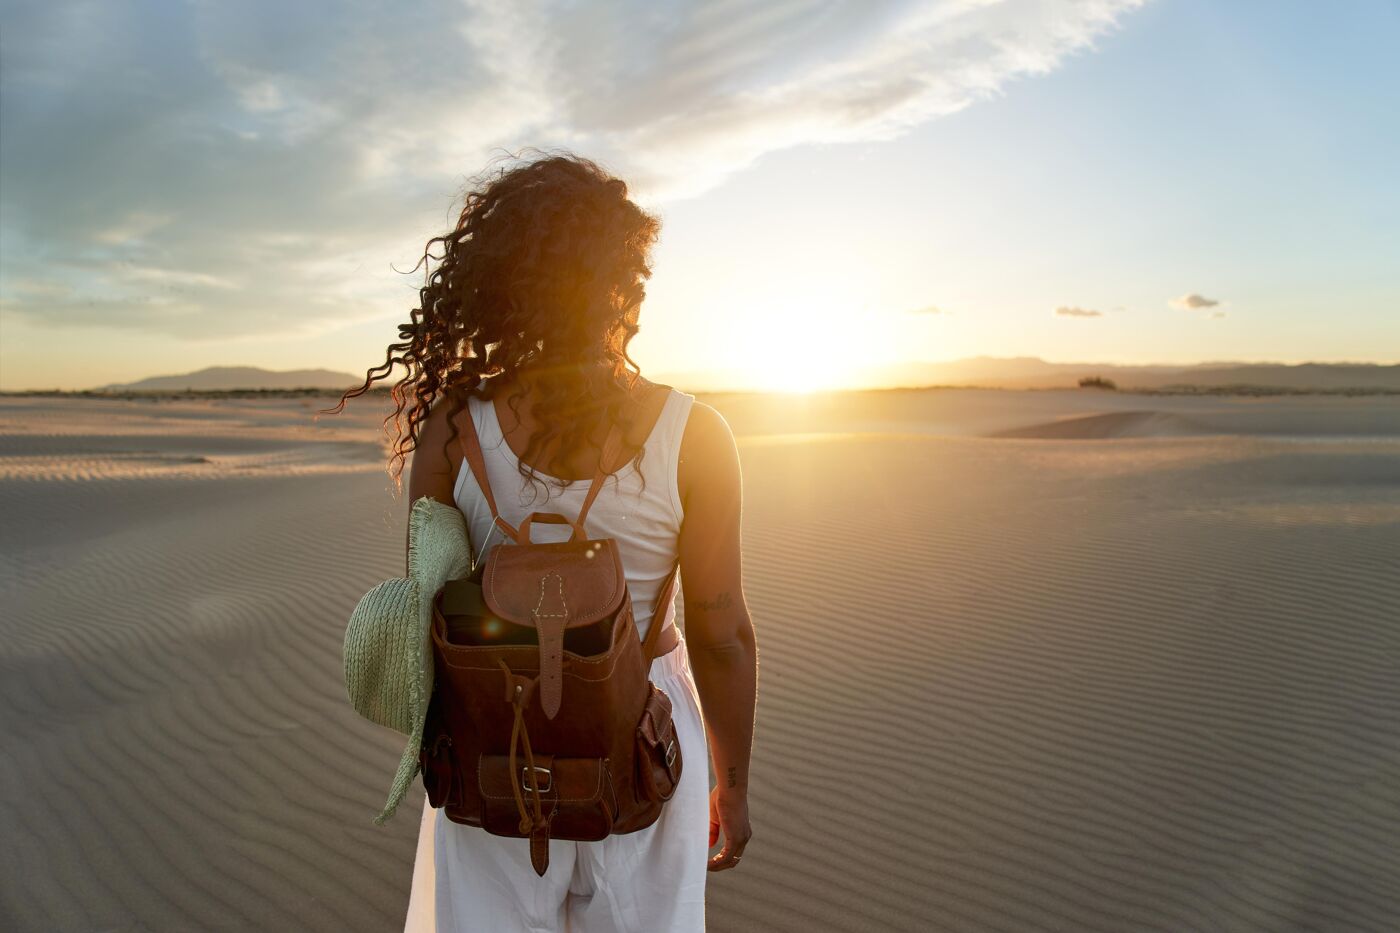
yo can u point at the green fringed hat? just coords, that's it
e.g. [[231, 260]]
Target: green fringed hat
[[388, 654]]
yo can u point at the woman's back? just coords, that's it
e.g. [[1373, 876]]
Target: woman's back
[[644, 517], [528, 307]]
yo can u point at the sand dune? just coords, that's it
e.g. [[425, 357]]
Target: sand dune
[[1140, 684], [1069, 708], [1115, 424], [981, 412], [178, 751]]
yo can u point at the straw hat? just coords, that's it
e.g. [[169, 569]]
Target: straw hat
[[388, 655]]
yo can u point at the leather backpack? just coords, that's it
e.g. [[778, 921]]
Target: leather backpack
[[544, 722]]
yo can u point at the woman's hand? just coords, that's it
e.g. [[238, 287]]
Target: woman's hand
[[729, 814]]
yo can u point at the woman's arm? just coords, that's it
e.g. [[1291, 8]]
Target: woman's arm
[[718, 631], [432, 472]]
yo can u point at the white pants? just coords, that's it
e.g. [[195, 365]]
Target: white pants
[[650, 881]]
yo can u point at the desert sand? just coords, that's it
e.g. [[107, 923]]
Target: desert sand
[[1069, 661]]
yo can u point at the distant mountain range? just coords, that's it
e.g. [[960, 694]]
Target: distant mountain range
[[1030, 372], [985, 371], [240, 377]]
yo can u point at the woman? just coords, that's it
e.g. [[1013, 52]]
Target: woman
[[522, 334]]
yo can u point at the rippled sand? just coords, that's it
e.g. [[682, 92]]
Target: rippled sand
[[1030, 661]]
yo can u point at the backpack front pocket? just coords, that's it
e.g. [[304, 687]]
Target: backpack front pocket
[[575, 795], [658, 750]]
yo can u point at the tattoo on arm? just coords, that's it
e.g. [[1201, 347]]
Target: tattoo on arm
[[722, 601], [733, 778]]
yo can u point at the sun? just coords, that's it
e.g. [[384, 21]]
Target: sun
[[798, 348], [795, 366]]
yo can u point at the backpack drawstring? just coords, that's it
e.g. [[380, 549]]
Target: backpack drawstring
[[519, 735]]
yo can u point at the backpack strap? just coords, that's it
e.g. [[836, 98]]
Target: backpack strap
[[471, 452], [658, 615], [612, 445]]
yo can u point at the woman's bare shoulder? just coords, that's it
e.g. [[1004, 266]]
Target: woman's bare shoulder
[[709, 454], [706, 427]]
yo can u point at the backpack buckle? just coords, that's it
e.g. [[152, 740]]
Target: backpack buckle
[[525, 778], [671, 752]]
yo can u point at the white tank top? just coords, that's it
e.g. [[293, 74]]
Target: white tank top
[[645, 522]]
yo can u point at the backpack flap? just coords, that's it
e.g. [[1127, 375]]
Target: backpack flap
[[553, 587]]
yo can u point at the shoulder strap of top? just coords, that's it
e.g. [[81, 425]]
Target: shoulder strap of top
[[673, 416]]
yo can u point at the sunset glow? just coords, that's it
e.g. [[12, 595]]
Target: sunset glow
[[803, 345], [842, 197]]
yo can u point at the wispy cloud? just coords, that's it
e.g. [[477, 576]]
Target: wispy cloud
[[272, 175], [1193, 302], [928, 309], [1070, 311]]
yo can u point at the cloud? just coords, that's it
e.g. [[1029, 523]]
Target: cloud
[[1217, 314], [1193, 302], [928, 309], [1067, 311], [266, 179]]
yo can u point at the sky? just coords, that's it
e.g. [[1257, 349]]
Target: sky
[[843, 186]]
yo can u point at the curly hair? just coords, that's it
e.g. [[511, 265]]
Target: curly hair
[[544, 271]]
